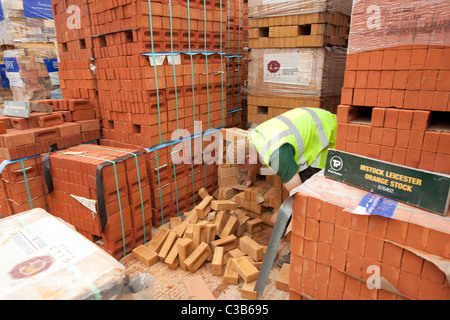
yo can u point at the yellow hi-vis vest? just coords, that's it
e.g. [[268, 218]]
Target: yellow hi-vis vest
[[311, 131]]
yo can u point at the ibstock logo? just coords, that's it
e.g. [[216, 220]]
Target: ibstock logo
[[273, 66]]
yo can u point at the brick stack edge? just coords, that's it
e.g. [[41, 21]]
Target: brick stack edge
[[394, 107], [333, 249]]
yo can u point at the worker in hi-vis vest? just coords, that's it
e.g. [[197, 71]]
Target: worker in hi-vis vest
[[294, 145]]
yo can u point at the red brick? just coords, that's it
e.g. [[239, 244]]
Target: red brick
[[439, 244], [399, 156], [352, 132], [2, 127], [391, 118], [444, 143], [314, 208], [431, 272], [390, 273], [363, 60], [353, 286], [326, 232], [429, 80], [378, 116], [411, 99], [440, 101], [389, 136], [349, 79], [323, 252], [387, 79], [341, 237], [373, 151], [397, 231], [328, 212], [337, 279], [347, 96], [397, 98], [343, 218], [418, 58], [312, 229], [400, 79], [430, 290], [409, 284], [357, 242], [443, 80], [364, 133], [402, 139], [371, 97], [442, 164], [376, 60], [354, 264], [392, 255], [346, 113], [341, 133], [412, 158], [320, 291], [373, 79], [416, 139], [412, 263], [417, 237], [389, 60], [384, 98], [427, 160], [361, 79], [421, 120], [337, 258], [359, 97], [405, 119], [425, 100], [352, 62], [323, 273], [414, 81], [310, 249], [403, 61]]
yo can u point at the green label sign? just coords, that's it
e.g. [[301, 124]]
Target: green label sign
[[424, 189]]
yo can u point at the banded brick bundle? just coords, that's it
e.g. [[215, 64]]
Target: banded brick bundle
[[104, 193], [176, 172], [339, 255], [22, 186], [5, 90], [28, 73], [395, 99], [298, 56]]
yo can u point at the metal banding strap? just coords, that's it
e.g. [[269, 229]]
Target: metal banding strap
[[284, 214]]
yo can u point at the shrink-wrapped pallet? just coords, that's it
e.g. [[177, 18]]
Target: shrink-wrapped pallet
[[274, 8], [44, 258], [32, 73], [26, 21]]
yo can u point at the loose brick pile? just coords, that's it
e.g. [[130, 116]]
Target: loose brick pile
[[215, 231], [332, 251], [74, 173]]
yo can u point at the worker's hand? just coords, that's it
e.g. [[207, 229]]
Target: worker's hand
[[273, 219]]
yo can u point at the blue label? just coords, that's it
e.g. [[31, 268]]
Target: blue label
[[378, 205], [11, 64], [2, 16], [52, 65], [38, 9], [4, 81]]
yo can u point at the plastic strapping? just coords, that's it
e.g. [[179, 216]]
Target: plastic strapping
[[135, 155], [26, 184], [173, 65]]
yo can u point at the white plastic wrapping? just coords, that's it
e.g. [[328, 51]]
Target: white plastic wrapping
[[28, 73], [43, 258], [314, 72], [24, 21], [380, 24], [274, 8]]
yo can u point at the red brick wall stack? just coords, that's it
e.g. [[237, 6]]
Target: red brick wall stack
[[395, 99]]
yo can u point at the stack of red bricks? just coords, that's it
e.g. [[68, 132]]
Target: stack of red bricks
[[140, 103], [394, 108], [395, 99], [337, 255], [22, 186], [124, 177]]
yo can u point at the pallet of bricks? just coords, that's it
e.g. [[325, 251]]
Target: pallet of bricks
[[222, 227], [159, 67], [297, 56], [23, 140], [5, 89], [28, 39], [395, 104]]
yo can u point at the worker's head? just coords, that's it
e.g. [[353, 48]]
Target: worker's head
[[242, 153]]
